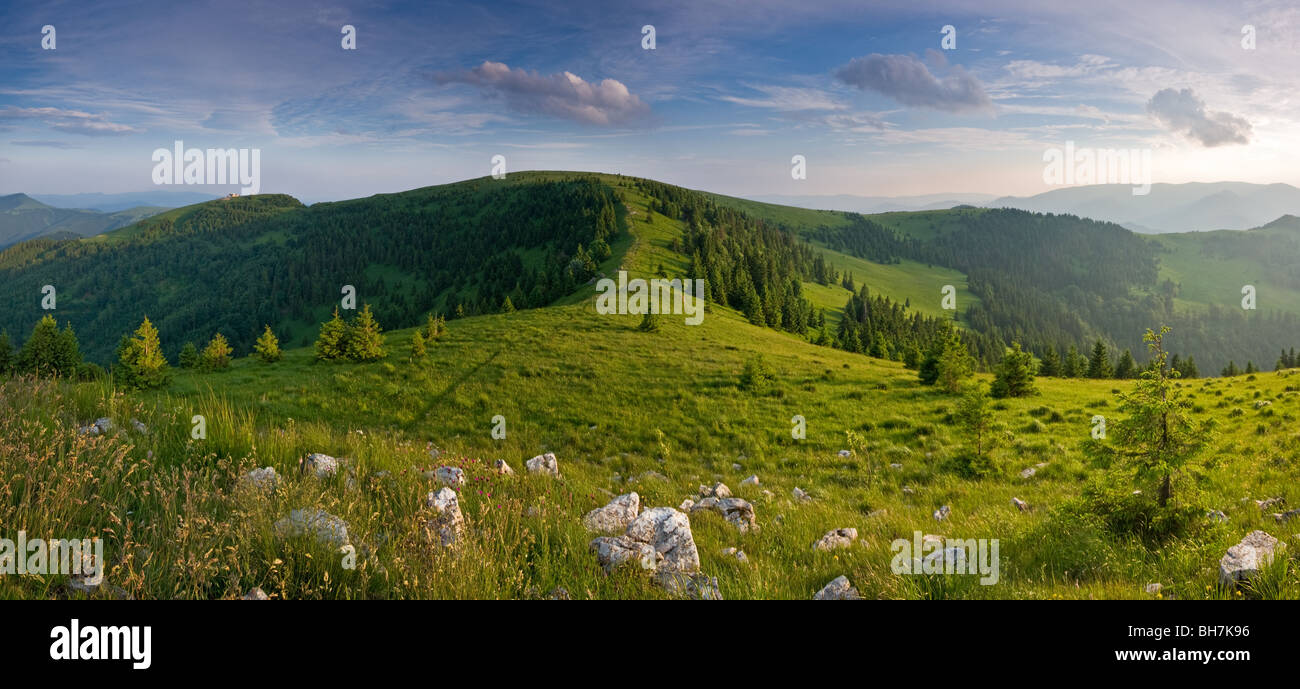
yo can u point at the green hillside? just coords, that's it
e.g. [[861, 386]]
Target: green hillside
[[23, 218]]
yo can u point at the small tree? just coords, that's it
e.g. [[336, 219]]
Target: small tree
[[1127, 367], [975, 415], [365, 339], [417, 346], [216, 355], [141, 361], [507, 306], [955, 365], [434, 328], [649, 323], [268, 346], [331, 343], [1050, 365], [49, 352], [188, 356], [1099, 362], [1014, 375], [1159, 436], [756, 377]]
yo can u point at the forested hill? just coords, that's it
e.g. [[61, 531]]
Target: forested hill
[[232, 265]]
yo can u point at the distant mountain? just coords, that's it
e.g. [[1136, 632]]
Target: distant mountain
[[23, 218], [878, 204], [110, 203], [1190, 207]]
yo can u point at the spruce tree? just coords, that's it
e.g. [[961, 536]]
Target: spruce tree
[[1158, 437], [331, 343], [418, 351], [1127, 367], [189, 356], [1099, 362], [268, 346], [6, 354], [1070, 364], [1014, 375], [976, 418], [216, 355], [507, 306], [49, 352], [141, 361], [1050, 365], [365, 339]]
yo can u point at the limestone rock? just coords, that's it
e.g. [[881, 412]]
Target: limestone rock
[[544, 464], [325, 527], [799, 495], [450, 476], [614, 517], [264, 479], [503, 468], [320, 465], [751, 481], [1245, 559], [839, 538], [448, 522], [942, 513], [669, 531], [1020, 504], [256, 594], [838, 589]]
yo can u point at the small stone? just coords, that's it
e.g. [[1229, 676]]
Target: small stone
[[320, 465], [503, 468], [1284, 517], [1028, 473], [895, 466], [846, 454], [942, 513], [139, 427], [686, 505], [449, 476], [800, 496], [1020, 504], [544, 464], [327, 528], [839, 538], [255, 594], [264, 479], [1217, 516], [908, 491], [751, 481], [735, 467], [1153, 589], [838, 589], [718, 490], [1266, 505]]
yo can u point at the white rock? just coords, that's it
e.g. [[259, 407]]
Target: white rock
[[612, 552], [139, 427], [697, 586], [844, 453], [942, 513], [325, 527], [751, 481], [1020, 504], [1217, 516], [686, 505], [1028, 473], [838, 589], [839, 538], [503, 468], [265, 479], [448, 522], [1245, 559], [450, 476], [1153, 588], [800, 496], [669, 531], [320, 465], [544, 464], [614, 517], [735, 510], [256, 594], [718, 490], [895, 466]]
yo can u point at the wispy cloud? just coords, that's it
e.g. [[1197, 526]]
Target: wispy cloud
[[70, 121]]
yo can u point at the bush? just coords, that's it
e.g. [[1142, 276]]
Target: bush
[[756, 377]]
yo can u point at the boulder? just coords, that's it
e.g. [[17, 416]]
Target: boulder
[[751, 481], [686, 505], [1245, 559], [838, 589], [695, 586], [718, 490], [544, 464], [325, 527], [839, 538], [503, 468], [669, 531], [613, 552], [256, 594], [614, 517], [1284, 517], [448, 522]]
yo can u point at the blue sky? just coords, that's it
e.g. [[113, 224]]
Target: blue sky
[[730, 93]]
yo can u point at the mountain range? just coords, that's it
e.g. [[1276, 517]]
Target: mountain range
[[23, 218]]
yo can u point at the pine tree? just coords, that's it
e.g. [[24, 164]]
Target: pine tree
[[216, 355], [1070, 364], [1099, 362], [141, 359], [1127, 367], [1050, 365], [507, 306], [365, 339], [1159, 436], [331, 343], [1231, 369], [1250, 367], [189, 356], [268, 346], [1189, 368], [1014, 375], [955, 365], [417, 346], [976, 417], [433, 328]]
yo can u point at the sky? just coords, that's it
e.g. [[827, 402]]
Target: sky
[[866, 92]]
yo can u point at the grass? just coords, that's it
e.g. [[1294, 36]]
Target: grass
[[621, 408]]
